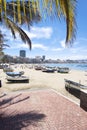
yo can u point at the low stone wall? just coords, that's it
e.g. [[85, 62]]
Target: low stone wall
[[83, 100]]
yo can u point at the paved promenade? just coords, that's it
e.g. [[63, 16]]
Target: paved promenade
[[40, 110]]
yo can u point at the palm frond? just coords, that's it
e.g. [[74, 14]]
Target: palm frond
[[63, 9], [29, 11], [17, 12], [14, 28], [68, 9]]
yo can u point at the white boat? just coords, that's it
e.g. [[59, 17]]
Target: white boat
[[48, 70], [72, 84], [74, 88], [16, 77], [63, 70], [19, 79], [38, 68]]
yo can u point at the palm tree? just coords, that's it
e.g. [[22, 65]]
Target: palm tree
[[2, 45], [18, 12]]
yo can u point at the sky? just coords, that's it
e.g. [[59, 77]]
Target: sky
[[48, 38]]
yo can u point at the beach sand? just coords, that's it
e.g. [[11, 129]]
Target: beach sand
[[41, 80]]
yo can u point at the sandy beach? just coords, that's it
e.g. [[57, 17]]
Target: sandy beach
[[41, 80]]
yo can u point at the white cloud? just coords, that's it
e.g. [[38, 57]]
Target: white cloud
[[76, 43], [35, 32], [39, 46], [40, 32], [22, 46], [78, 56], [17, 45], [57, 49], [75, 50], [63, 43], [80, 50], [34, 46]]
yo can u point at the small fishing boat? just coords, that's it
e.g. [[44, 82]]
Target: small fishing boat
[[74, 88], [20, 79], [72, 84], [48, 70], [63, 70], [38, 67]]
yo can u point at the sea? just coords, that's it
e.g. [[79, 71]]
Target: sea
[[74, 66]]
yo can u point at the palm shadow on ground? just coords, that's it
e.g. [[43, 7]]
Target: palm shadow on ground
[[11, 101], [19, 121], [16, 120]]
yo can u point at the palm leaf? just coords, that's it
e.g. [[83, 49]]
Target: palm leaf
[[63, 9], [27, 11], [14, 28], [68, 9]]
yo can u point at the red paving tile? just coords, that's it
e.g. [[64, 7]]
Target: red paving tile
[[40, 110]]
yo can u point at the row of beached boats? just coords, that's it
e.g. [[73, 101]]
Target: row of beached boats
[[52, 69], [43, 68], [71, 86], [19, 76]]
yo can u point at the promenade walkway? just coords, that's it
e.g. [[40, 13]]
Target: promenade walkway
[[40, 110]]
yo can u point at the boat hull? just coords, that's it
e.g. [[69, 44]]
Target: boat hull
[[63, 70], [21, 79]]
